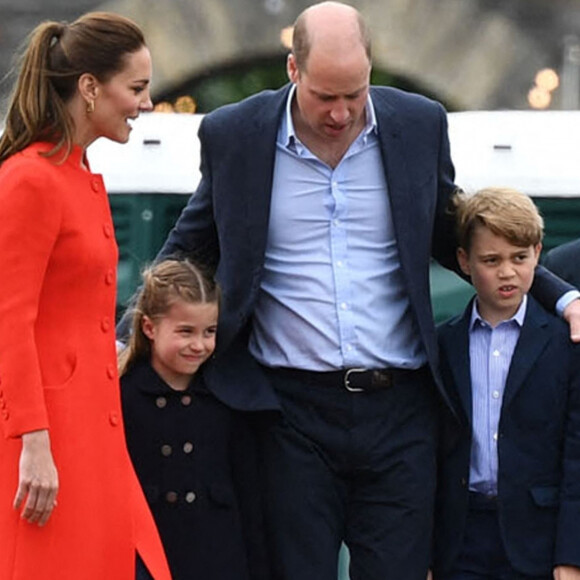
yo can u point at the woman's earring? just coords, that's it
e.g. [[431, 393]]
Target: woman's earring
[[90, 107]]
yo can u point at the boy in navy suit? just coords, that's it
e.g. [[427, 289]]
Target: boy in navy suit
[[508, 500]]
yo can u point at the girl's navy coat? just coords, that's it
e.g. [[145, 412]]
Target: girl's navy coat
[[196, 461]]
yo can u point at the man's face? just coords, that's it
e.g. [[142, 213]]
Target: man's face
[[331, 94]]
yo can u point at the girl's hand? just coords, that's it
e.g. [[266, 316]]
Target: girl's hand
[[38, 478]]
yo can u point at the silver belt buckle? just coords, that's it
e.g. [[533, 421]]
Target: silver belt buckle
[[347, 381]]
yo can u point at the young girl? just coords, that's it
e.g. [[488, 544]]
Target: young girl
[[194, 456]]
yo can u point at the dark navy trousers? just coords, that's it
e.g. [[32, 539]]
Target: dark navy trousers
[[482, 556], [353, 467]]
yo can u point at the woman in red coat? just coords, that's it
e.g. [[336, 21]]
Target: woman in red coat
[[70, 504]]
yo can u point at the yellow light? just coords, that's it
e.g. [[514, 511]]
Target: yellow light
[[163, 107], [185, 104], [547, 79], [539, 98], [286, 36]]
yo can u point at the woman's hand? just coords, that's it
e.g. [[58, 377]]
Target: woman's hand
[[38, 478]]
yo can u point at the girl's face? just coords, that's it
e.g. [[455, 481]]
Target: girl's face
[[181, 340]]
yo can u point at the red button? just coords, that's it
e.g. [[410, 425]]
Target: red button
[[114, 418], [108, 231], [109, 277], [5, 414], [106, 324], [111, 371], [95, 186]]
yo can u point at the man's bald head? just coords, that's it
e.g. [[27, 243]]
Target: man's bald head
[[331, 27]]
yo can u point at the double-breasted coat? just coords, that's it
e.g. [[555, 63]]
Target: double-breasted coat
[[58, 259], [197, 462]]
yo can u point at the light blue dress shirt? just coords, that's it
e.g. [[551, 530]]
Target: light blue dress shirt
[[490, 355], [332, 294]]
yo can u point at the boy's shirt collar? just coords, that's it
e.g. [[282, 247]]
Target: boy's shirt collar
[[518, 317]]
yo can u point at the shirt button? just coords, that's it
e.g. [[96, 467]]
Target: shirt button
[[495, 436], [344, 305], [171, 497], [495, 394], [166, 450], [190, 497], [114, 418], [187, 447], [161, 402], [111, 371], [186, 400], [496, 352]]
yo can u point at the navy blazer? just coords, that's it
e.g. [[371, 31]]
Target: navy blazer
[[564, 261], [225, 224], [538, 446]]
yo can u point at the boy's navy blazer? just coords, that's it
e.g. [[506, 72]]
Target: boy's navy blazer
[[225, 224], [538, 446]]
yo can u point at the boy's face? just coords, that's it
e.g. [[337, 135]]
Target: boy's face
[[500, 272]]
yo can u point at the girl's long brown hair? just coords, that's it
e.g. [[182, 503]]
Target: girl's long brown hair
[[163, 284]]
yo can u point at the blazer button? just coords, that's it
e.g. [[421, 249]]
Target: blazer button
[[171, 497], [5, 414], [106, 324], [186, 400], [166, 450], [109, 277], [108, 231], [188, 447], [95, 186], [161, 402], [190, 497], [111, 371], [463, 482], [114, 418]]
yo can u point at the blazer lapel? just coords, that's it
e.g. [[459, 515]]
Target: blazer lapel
[[457, 346], [259, 157], [533, 339]]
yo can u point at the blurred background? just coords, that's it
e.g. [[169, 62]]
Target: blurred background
[[469, 54]]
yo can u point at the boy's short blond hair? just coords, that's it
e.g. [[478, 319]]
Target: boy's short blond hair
[[506, 212]]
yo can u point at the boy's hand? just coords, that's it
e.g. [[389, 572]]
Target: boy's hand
[[572, 316], [429, 575], [566, 573]]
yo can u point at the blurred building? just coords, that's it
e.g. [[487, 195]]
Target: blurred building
[[473, 54]]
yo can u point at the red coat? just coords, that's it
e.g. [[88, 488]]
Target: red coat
[[58, 259]]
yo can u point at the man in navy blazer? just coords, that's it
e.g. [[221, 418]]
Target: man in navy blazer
[[508, 497], [319, 208]]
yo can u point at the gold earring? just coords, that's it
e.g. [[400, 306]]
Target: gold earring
[[90, 107]]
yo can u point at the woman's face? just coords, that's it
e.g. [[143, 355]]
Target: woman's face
[[120, 100]]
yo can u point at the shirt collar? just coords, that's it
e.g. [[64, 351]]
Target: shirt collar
[[287, 134], [518, 317]]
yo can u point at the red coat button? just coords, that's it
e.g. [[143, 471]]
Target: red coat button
[[111, 371], [109, 277], [114, 418], [106, 324], [108, 231]]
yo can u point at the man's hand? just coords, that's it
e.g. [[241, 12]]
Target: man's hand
[[566, 573], [572, 316]]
